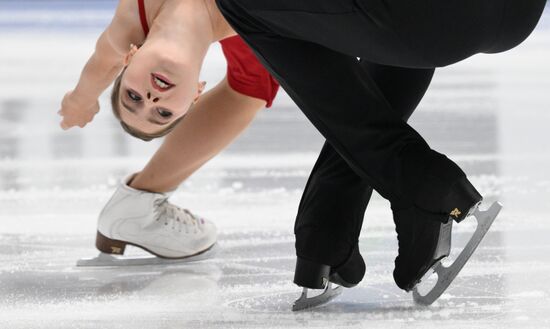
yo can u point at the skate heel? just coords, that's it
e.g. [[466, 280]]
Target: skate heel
[[311, 275], [109, 246], [351, 272], [337, 279], [463, 200]]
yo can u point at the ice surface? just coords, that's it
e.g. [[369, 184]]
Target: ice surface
[[490, 113]]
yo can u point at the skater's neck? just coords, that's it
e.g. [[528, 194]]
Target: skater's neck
[[185, 18]]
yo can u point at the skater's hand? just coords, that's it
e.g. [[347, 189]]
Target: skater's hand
[[76, 111]]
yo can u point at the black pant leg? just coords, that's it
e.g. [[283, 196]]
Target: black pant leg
[[403, 88], [347, 107], [332, 208]]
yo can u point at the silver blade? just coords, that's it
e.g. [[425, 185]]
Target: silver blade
[[327, 295], [446, 275], [104, 259]]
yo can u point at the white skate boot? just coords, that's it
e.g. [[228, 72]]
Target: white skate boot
[[148, 221]]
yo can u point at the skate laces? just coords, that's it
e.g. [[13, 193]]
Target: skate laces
[[177, 218]]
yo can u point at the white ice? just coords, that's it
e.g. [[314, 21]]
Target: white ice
[[490, 113]]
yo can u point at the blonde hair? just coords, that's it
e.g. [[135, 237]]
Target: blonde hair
[[115, 104]]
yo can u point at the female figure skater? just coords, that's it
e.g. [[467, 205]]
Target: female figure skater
[[139, 213]]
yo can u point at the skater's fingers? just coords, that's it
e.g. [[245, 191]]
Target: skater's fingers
[[65, 124]]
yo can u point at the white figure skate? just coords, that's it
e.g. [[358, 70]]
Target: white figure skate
[[148, 221], [446, 275]]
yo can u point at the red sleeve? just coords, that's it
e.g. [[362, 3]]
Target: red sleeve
[[245, 74]]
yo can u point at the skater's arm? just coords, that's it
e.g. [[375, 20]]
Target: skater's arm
[[81, 104], [219, 117]]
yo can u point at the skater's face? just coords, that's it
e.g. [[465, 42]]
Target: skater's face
[[155, 91]]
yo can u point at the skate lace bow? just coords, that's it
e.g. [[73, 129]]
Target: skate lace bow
[[177, 218]]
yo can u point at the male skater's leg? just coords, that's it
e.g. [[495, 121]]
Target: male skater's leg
[[332, 207], [348, 109], [310, 47]]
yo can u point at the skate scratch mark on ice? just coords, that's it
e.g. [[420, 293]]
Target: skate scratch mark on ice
[[466, 286], [248, 275], [252, 267], [491, 316], [275, 295], [223, 260], [386, 292]]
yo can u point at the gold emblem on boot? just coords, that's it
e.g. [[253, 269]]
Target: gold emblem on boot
[[116, 250], [456, 212]]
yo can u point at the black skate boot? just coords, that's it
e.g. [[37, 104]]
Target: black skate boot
[[312, 275], [425, 237], [422, 243], [437, 186]]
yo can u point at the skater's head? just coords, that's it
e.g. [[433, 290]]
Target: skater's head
[[154, 92]]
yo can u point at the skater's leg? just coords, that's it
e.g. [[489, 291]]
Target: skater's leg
[[403, 88], [284, 49], [335, 197], [348, 108], [331, 210], [215, 121]]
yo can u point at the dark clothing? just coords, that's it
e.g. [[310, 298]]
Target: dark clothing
[[421, 33], [311, 48], [333, 204]]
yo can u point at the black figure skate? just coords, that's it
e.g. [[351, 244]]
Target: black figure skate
[[311, 275], [425, 239]]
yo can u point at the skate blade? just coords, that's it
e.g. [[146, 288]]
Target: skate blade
[[446, 275], [326, 296], [105, 260]]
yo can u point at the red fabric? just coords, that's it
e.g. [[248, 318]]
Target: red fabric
[[143, 17], [245, 74]]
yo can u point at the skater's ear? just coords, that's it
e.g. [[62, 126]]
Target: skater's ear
[[200, 90], [128, 58], [115, 94]]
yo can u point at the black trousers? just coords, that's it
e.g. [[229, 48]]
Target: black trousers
[[332, 208], [310, 47]]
